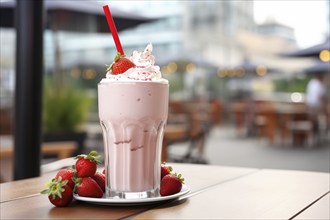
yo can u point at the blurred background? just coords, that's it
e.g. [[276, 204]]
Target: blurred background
[[238, 72]]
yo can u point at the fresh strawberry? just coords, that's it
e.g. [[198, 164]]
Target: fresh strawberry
[[120, 65], [86, 165], [103, 171], [59, 192], [171, 184], [88, 187], [165, 170], [100, 179], [66, 174]]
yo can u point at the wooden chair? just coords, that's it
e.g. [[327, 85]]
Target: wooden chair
[[301, 129]]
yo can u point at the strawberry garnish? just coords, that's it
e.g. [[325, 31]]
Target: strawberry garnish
[[120, 65], [66, 174], [59, 192], [165, 170], [88, 187], [171, 184], [86, 165]]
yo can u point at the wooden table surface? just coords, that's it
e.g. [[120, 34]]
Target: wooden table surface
[[217, 192]]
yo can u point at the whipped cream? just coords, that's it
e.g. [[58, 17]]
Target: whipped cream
[[144, 70]]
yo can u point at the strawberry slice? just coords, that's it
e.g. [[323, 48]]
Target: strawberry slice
[[120, 65]]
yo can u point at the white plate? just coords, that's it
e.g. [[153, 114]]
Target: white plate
[[131, 202]]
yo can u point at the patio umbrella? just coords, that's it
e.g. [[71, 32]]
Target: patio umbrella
[[313, 51], [319, 67], [78, 16]]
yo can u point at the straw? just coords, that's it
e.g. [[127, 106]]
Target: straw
[[113, 29]]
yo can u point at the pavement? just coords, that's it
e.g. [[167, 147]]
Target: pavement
[[225, 147]]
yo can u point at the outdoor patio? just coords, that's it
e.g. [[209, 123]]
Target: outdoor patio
[[224, 147]]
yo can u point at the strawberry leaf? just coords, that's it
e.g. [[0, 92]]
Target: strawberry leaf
[[55, 188], [92, 156], [109, 67], [118, 56], [179, 176]]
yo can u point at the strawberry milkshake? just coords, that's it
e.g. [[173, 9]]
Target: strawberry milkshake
[[133, 108]]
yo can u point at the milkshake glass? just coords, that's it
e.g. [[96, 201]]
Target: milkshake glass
[[133, 109]]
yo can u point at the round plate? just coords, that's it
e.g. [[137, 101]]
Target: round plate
[[131, 202]]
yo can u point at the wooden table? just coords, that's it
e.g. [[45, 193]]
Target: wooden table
[[61, 150], [276, 117], [217, 192]]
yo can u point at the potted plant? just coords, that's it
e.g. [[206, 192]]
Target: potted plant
[[65, 111]]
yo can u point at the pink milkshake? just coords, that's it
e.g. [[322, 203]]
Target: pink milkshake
[[133, 109]]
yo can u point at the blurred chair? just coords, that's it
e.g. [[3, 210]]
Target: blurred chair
[[241, 117], [296, 125], [196, 118], [6, 125], [261, 120], [301, 130], [216, 110]]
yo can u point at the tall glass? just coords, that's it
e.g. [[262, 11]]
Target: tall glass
[[133, 116]]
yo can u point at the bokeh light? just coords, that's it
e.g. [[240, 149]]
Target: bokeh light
[[325, 55]]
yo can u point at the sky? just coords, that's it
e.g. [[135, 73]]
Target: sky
[[308, 17]]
